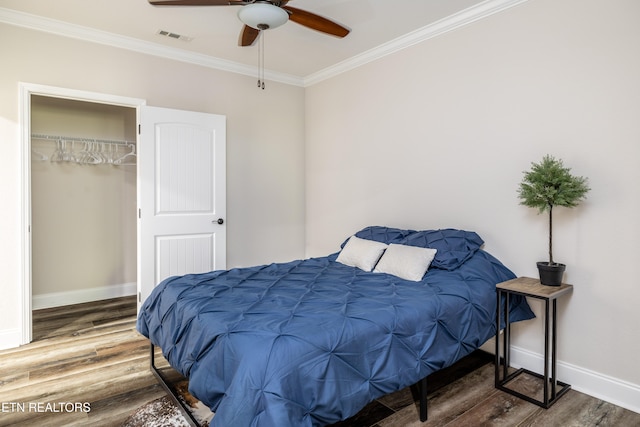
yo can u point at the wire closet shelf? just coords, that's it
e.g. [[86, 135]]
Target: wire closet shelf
[[88, 151]]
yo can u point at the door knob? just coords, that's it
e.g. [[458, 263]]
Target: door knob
[[220, 221]]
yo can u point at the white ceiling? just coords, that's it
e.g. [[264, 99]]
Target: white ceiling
[[291, 50]]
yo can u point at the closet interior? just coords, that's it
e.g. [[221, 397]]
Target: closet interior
[[83, 201]]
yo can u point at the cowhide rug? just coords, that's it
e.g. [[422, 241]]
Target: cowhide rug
[[163, 412]]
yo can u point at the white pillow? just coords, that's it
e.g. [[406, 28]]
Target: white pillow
[[361, 253], [406, 262]]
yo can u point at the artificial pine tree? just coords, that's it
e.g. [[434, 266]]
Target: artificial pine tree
[[548, 184]]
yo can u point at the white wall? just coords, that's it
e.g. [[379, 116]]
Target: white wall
[[437, 135], [265, 148]]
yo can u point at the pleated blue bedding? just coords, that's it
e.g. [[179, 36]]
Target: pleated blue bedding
[[311, 342]]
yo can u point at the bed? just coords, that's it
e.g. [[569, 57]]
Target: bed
[[311, 342]]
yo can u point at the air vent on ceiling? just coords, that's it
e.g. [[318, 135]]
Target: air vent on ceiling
[[174, 35]]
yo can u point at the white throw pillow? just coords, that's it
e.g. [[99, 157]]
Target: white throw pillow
[[361, 253], [406, 262]]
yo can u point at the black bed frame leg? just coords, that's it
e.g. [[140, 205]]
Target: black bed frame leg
[[423, 399], [165, 385]]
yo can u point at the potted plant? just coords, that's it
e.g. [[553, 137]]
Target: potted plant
[[546, 185]]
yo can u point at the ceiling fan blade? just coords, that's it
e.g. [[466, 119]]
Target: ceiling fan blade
[[248, 36], [316, 22], [199, 2]]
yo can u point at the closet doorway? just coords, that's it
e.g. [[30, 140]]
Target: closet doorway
[[83, 201], [178, 149]]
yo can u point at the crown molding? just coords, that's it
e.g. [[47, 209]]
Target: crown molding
[[438, 28], [445, 25], [92, 35]]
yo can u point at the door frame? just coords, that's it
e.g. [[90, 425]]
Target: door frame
[[26, 90]]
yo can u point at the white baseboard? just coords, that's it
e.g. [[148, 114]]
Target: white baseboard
[[10, 338], [56, 299], [613, 390]]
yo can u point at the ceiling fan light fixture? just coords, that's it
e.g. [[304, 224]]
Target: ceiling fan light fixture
[[262, 16]]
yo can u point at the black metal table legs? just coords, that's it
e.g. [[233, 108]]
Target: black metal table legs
[[552, 388]]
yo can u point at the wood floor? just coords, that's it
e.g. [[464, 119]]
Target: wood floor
[[88, 366]]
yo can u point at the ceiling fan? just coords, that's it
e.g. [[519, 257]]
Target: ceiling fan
[[258, 15]]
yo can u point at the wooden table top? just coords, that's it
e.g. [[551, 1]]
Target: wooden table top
[[532, 287]]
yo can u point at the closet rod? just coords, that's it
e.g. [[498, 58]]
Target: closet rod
[[73, 138]]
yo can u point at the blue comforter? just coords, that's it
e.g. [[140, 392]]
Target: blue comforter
[[310, 342]]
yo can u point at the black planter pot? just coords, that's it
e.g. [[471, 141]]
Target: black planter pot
[[551, 275]]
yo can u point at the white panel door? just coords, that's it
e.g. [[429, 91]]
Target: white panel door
[[181, 195]]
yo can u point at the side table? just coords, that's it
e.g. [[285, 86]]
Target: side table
[[529, 287]]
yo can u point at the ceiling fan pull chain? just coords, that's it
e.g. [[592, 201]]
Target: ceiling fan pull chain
[[259, 82], [261, 61]]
